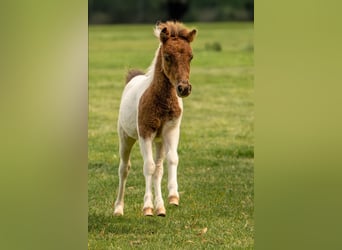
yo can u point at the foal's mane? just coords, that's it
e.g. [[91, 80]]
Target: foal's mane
[[176, 29]]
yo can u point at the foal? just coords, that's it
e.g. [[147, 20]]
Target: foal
[[151, 111]]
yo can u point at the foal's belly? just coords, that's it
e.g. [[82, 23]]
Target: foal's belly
[[128, 123]]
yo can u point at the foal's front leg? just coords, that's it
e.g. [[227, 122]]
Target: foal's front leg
[[157, 178], [149, 169], [171, 138]]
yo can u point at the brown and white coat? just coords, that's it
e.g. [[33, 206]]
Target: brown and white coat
[[151, 111]]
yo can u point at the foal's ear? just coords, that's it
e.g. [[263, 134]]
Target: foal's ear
[[164, 35], [191, 35]]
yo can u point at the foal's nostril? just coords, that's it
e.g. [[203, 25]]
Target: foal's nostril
[[183, 90]]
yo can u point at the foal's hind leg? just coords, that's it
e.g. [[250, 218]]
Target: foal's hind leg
[[157, 178], [126, 144]]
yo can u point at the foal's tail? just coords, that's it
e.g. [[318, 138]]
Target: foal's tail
[[133, 73]]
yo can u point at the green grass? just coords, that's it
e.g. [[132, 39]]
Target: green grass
[[216, 148]]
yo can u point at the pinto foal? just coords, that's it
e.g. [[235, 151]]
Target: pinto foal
[[151, 111]]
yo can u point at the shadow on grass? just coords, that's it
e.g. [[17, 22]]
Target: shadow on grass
[[126, 224]]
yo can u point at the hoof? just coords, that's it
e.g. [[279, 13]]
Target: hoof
[[118, 211], [174, 200], [148, 211], [161, 212], [118, 214]]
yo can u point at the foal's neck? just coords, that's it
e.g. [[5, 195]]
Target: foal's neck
[[159, 103], [161, 85]]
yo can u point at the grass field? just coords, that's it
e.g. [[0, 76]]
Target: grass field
[[216, 150]]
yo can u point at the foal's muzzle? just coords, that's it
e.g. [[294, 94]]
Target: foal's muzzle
[[183, 89]]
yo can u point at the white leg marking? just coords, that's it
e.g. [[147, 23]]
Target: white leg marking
[[171, 138], [149, 169], [126, 144], [157, 178]]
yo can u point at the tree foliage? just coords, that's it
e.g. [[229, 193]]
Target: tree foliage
[[142, 11]]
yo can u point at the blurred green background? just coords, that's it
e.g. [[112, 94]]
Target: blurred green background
[[149, 11]]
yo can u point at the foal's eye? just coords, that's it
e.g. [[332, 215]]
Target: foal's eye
[[191, 56], [167, 57]]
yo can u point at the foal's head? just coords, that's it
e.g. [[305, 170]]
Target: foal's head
[[176, 55]]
